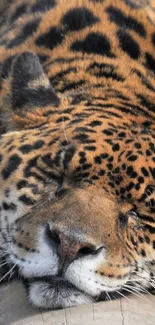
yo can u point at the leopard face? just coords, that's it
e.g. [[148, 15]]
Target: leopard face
[[61, 241], [77, 149]]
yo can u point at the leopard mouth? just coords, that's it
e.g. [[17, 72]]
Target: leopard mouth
[[58, 283], [56, 292]]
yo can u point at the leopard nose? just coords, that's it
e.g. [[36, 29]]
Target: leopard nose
[[68, 248]]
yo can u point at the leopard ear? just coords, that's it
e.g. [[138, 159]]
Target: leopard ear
[[30, 87]]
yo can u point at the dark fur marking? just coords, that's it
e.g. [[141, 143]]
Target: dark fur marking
[[26, 32], [83, 138], [13, 164], [83, 129], [128, 44], [24, 184], [95, 123], [51, 39], [90, 148], [153, 39], [131, 172], [145, 172], [7, 192], [28, 170], [6, 67], [47, 160], [119, 18], [9, 206], [43, 57], [38, 144], [137, 4], [58, 77], [78, 18], [43, 5], [104, 70], [97, 1], [26, 200], [21, 184], [69, 153], [72, 85], [115, 147], [144, 80], [94, 43], [26, 148], [20, 11], [147, 104], [150, 61], [132, 158]]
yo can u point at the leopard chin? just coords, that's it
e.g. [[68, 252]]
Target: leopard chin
[[56, 292]]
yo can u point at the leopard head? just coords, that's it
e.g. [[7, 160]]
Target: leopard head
[[79, 209]]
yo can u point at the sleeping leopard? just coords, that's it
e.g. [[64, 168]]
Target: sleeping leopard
[[77, 149]]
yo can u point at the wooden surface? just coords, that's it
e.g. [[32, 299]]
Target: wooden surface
[[15, 309]]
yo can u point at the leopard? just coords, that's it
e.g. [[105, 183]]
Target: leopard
[[77, 149]]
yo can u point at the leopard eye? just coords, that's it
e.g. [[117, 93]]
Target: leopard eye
[[132, 214], [61, 192]]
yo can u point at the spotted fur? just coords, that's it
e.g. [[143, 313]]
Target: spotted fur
[[77, 158]]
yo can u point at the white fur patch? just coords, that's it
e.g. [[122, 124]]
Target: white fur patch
[[46, 296]]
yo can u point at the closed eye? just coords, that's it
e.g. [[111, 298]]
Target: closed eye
[[61, 192]]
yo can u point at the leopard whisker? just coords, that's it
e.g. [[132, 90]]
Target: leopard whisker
[[3, 264], [3, 277], [141, 288], [138, 290], [121, 294], [137, 295], [149, 280], [108, 296], [2, 255]]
